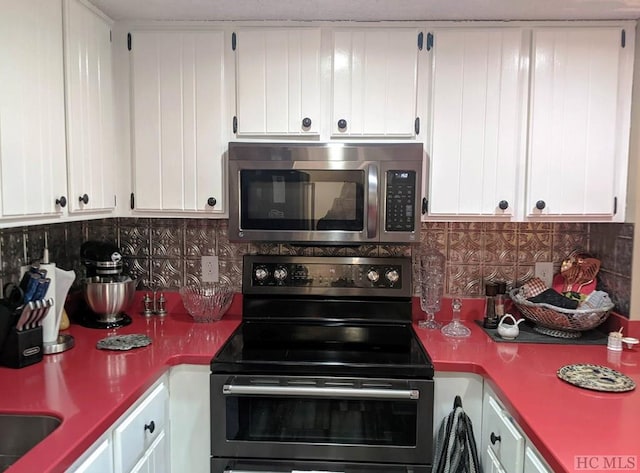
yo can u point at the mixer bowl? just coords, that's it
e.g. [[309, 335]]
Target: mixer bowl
[[109, 297]]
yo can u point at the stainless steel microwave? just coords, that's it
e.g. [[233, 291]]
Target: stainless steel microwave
[[325, 193]]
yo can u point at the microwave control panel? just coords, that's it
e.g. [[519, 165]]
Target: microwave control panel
[[400, 201]]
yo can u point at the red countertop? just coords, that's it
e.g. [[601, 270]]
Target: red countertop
[[89, 389]]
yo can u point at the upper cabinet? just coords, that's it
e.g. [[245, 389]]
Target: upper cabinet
[[579, 121], [90, 103], [180, 120], [477, 118], [278, 81], [530, 123], [32, 126], [375, 77]]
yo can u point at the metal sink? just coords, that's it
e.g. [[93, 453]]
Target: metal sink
[[20, 433]]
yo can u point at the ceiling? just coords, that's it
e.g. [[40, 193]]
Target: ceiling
[[369, 10]]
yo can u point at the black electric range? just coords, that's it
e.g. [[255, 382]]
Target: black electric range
[[326, 315]]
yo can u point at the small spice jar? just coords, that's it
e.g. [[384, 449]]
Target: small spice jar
[[614, 342]]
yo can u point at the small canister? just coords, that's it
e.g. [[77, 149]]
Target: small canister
[[614, 342]]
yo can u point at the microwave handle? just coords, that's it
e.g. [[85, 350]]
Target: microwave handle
[[372, 201]]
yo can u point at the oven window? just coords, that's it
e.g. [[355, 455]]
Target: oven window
[[302, 200], [308, 420]]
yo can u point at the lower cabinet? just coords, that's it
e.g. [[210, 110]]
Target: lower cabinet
[[190, 414], [98, 459], [502, 445], [138, 442], [505, 448]]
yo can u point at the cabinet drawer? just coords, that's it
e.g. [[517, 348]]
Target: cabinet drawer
[[138, 431], [503, 437]]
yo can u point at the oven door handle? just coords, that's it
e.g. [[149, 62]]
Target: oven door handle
[[292, 471], [355, 393], [372, 201]]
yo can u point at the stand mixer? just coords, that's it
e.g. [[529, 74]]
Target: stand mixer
[[106, 290]]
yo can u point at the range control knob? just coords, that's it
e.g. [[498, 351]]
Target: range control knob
[[392, 276], [280, 273], [261, 273], [373, 275]]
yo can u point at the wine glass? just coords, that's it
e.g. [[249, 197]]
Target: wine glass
[[431, 286], [455, 328]]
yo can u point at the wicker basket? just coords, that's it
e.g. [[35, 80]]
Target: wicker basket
[[559, 322]]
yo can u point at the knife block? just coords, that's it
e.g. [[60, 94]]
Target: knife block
[[21, 347]]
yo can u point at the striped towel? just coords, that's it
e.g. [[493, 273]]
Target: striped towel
[[456, 450]]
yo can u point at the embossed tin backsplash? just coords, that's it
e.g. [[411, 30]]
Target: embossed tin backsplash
[[166, 252]]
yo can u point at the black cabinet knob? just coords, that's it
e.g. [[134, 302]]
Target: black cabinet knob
[[503, 204], [62, 201], [151, 426], [494, 438], [211, 201], [84, 198], [306, 122], [342, 124], [540, 205]]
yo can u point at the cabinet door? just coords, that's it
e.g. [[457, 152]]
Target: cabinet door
[[491, 463], [100, 460], [32, 131], [139, 432], [278, 81], [478, 121], [155, 459], [579, 121], [89, 87], [500, 437], [375, 82], [533, 463], [180, 120]]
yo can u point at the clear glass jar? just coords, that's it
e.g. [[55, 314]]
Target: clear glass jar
[[432, 271]]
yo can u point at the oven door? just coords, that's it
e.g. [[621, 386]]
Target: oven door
[[328, 419]]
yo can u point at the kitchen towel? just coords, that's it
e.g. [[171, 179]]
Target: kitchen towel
[[455, 450]]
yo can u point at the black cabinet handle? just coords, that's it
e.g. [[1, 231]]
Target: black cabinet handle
[[342, 124], [540, 205], [84, 198], [494, 438], [425, 205], [211, 201], [503, 204], [151, 426], [306, 122], [62, 201]]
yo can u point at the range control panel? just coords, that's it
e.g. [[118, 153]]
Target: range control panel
[[292, 274]]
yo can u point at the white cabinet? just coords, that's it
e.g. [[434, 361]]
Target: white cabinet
[[138, 442], [533, 463], [90, 102], [579, 121], [97, 459], [180, 120], [190, 413], [278, 81], [139, 436], [374, 82], [32, 128], [500, 437], [477, 121]]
